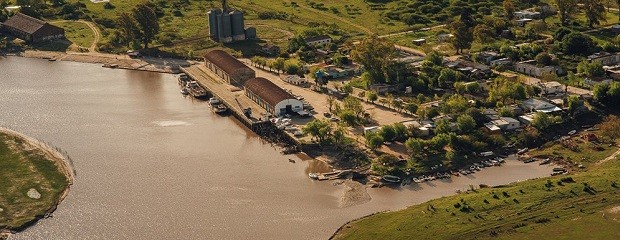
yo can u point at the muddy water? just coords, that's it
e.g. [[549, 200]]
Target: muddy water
[[153, 165]]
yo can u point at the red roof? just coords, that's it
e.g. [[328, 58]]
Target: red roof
[[225, 61], [267, 90]]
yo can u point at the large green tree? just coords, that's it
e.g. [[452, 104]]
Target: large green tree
[[595, 11], [566, 9], [376, 55], [148, 22], [128, 28], [509, 9], [463, 35]]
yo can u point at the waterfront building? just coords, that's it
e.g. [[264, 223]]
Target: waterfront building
[[32, 30], [230, 69], [274, 99]]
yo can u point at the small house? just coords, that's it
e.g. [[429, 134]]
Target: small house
[[527, 14], [538, 105], [552, 87], [419, 41], [605, 58], [487, 56], [523, 22]]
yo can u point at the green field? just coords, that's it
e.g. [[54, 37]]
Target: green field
[[21, 169], [586, 207], [78, 33]]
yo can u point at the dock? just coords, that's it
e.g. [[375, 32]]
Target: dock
[[231, 96]]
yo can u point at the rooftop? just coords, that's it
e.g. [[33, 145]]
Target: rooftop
[[317, 38], [267, 90], [225, 61], [24, 23]]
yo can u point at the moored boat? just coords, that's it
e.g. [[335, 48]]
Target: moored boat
[[391, 179], [196, 90]]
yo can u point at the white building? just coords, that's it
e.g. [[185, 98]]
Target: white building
[[552, 87], [530, 68], [605, 58], [504, 124], [318, 40], [274, 99]]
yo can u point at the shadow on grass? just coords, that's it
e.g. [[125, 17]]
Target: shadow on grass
[[55, 46]]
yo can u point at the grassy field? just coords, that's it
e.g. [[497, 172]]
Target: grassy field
[[584, 206], [22, 169], [78, 33]]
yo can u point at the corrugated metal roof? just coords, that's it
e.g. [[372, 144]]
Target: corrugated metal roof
[[267, 90], [24, 23], [225, 61]]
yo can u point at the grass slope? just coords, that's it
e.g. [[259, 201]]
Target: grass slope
[[20, 170], [546, 208]]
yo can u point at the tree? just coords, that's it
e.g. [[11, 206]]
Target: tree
[[443, 126], [541, 121], [128, 27], [509, 10], [400, 131], [388, 133], [375, 55], [618, 6], [339, 136], [465, 123], [372, 96], [385, 164], [318, 129], [590, 69], [566, 9], [353, 104], [483, 33], [595, 11], [148, 23], [415, 146], [348, 117], [574, 104], [578, 44], [279, 63], [610, 127], [373, 141], [291, 68], [412, 108], [544, 59], [463, 36]]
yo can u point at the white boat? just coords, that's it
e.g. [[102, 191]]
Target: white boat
[[214, 101], [220, 108], [184, 91]]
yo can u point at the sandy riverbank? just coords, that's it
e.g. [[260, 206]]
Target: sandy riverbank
[[161, 65], [50, 153]]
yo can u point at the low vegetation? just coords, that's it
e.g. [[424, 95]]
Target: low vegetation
[[24, 169], [583, 205]]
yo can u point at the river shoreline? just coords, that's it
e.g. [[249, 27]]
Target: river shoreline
[[148, 64], [51, 154]]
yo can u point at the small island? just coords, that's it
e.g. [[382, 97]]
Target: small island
[[34, 179]]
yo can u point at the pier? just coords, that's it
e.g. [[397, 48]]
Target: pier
[[231, 96]]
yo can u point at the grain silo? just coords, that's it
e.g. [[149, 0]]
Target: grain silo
[[224, 27], [238, 26], [213, 24]]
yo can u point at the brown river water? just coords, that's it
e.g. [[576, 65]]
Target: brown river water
[[152, 164]]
